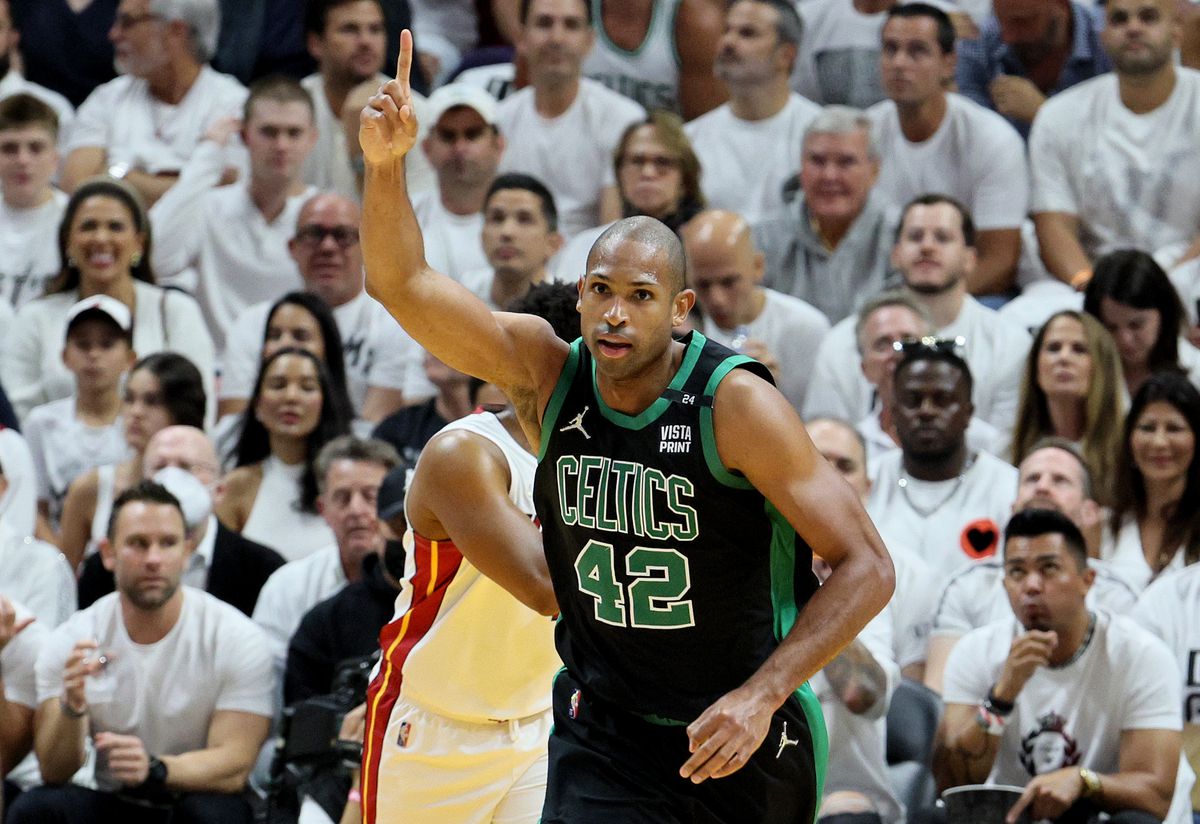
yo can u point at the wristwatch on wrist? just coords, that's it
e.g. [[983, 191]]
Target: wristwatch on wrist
[[1091, 783], [994, 704], [156, 776]]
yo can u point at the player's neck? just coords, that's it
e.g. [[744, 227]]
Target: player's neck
[[761, 100], [920, 121], [634, 394], [1142, 94]]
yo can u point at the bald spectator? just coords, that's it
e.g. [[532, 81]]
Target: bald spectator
[[383, 363], [1132, 178], [749, 148], [1028, 50], [658, 53], [831, 246], [839, 53], [563, 128], [725, 269], [144, 125], [13, 82], [938, 141]]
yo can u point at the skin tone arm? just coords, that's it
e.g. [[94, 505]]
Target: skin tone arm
[[857, 678], [783, 464], [223, 766], [935, 660], [998, 251], [79, 508], [380, 401], [238, 490], [1058, 240], [16, 721], [93, 160], [460, 491], [698, 28], [59, 738]]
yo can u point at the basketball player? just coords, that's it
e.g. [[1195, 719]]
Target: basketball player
[[679, 496]]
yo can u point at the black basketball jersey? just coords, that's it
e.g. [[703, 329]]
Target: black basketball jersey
[[674, 576]]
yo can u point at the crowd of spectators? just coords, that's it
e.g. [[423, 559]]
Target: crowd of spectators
[[964, 237]]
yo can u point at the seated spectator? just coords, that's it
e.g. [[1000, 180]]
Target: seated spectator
[[18, 500], [224, 564], [658, 175], [34, 572], [411, 428], [22, 638], [749, 148], [935, 494], [105, 248], [563, 128], [838, 63], [444, 31], [13, 82], [1073, 389], [1052, 476], [1028, 50], [1156, 505], [162, 390], [257, 40], [70, 436], [934, 252], [1080, 708], [464, 147], [187, 749], [271, 497], [65, 45], [1134, 299], [1168, 608], [832, 245], [143, 126], [381, 362], [350, 471], [1130, 178], [725, 270], [31, 208], [933, 140], [520, 235], [659, 54], [228, 244]]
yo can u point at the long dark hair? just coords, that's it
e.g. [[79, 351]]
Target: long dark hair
[[1183, 520], [254, 444], [179, 384], [68, 276], [335, 359], [1132, 277]]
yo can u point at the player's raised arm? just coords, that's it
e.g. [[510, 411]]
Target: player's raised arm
[[514, 352]]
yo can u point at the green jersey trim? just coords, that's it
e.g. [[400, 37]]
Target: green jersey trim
[[565, 379], [661, 404], [708, 434]]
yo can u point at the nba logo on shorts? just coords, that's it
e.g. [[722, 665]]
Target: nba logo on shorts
[[574, 709], [405, 729]]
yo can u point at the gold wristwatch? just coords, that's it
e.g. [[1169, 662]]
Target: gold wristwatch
[[1091, 783]]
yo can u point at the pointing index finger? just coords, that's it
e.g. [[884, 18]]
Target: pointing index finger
[[404, 61]]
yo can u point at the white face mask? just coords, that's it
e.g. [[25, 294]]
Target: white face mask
[[194, 497]]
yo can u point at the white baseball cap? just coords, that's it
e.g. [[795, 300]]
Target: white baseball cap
[[110, 308], [451, 95]]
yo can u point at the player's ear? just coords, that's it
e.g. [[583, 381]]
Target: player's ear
[[682, 306]]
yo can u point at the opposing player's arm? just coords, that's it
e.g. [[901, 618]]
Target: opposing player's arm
[[515, 353], [782, 463], [460, 491]]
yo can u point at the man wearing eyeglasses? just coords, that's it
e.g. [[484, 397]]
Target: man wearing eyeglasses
[[383, 364]]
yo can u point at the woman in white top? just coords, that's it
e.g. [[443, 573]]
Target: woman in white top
[[104, 243], [271, 497], [1156, 508], [163, 389]]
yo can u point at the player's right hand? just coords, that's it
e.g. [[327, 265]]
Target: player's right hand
[[387, 127], [1029, 651]]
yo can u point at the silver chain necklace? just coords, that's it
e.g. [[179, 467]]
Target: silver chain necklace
[[926, 511]]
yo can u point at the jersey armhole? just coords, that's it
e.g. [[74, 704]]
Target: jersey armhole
[[554, 405], [708, 435]]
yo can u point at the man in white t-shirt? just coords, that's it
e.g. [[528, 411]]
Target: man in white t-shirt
[[832, 245], [171, 686], [1131, 178], [1080, 708], [749, 147], [564, 128], [228, 245], [464, 148], [839, 55], [725, 270], [937, 141], [144, 125], [31, 208], [1052, 476], [935, 255], [383, 364]]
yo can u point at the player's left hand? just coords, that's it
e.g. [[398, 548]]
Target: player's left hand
[[1049, 795], [726, 734]]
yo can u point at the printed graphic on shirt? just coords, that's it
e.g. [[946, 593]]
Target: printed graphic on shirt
[[1048, 746]]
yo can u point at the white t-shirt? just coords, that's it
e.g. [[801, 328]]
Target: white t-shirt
[[1133, 180], [29, 248], [63, 448], [18, 659], [1128, 558], [995, 351], [1170, 608], [791, 330], [572, 154], [975, 156], [291, 591], [975, 596], [328, 165], [18, 504], [838, 61], [913, 603], [377, 350], [1073, 715], [134, 127], [453, 243], [16, 83], [274, 519], [967, 518], [165, 693], [38, 575], [216, 243], [1038, 301], [747, 163]]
